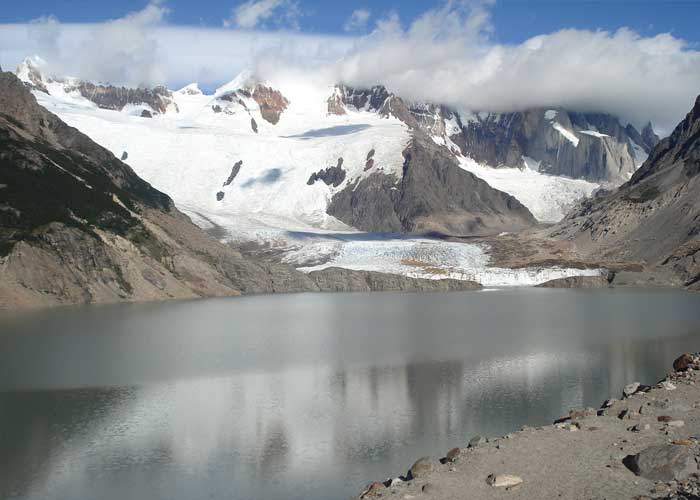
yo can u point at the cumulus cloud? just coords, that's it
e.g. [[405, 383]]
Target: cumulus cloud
[[447, 55], [255, 13], [358, 20]]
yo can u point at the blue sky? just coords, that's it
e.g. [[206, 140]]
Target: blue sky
[[514, 20]]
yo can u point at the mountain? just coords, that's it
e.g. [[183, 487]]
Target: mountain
[[591, 146], [655, 217], [77, 225], [255, 151]]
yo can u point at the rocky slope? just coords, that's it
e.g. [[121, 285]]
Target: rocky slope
[[77, 225], [432, 195], [655, 217]]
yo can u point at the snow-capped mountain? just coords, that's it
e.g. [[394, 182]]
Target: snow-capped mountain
[[300, 166]]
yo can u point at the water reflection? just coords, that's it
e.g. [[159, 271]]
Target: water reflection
[[229, 421]]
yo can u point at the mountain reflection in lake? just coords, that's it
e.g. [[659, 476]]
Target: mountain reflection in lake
[[305, 396]]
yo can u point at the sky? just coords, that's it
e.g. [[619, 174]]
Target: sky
[[639, 59]]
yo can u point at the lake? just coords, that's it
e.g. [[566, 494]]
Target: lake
[[306, 396]]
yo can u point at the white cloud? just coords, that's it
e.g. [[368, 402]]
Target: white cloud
[[254, 13], [447, 55], [358, 20]]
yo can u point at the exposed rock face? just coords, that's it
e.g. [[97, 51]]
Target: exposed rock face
[[578, 282], [332, 176], [593, 146], [110, 97], [655, 217], [234, 172], [590, 146], [337, 279], [272, 103], [434, 194]]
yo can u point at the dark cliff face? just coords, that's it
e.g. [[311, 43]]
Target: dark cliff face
[[434, 195], [116, 98], [655, 217]]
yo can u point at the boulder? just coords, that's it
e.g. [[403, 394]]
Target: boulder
[[373, 490], [662, 463], [423, 467], [453, 454], [476, 441], [683, 362], [630, 389]]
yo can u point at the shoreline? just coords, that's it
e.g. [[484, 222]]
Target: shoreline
[[643, 445]]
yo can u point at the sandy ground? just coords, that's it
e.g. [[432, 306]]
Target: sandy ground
[[579, 458]]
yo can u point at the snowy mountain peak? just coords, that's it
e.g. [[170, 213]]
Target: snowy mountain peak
[[191, 89], [244, 80], [30, 71]]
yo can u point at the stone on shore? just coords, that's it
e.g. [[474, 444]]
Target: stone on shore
[[504, 480], [423, 467], [373, 490], [630, 389], [476, 441], [662, 463], [683, 362], [453, 454]]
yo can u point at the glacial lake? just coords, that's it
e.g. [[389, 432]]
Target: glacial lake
[[306, 396]]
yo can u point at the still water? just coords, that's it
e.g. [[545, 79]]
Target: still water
[[305, 396]]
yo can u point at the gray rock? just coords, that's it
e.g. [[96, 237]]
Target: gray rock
[[662, 463], [476, 441], [630, 389], [421, 468], [335, 279]]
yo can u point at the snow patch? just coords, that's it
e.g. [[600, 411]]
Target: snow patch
[[593, 133], [568, 134], [548, 197], [550, 114]]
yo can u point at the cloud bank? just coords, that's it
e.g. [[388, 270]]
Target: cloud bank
[[446, 55]]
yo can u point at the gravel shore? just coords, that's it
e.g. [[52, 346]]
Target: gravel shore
[[644, 445]]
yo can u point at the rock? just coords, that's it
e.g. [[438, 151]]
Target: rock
[[272, 103], [582, 413], [663, 418], [504, 480], [639, 427], [373, 490], [662, 463], [428, 488], [476, 441], [682, 362], [453, 454], [609, 402], [146, 114], [220, 196], [125, 155], [630, 389], [254, 125], [423, 467]]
